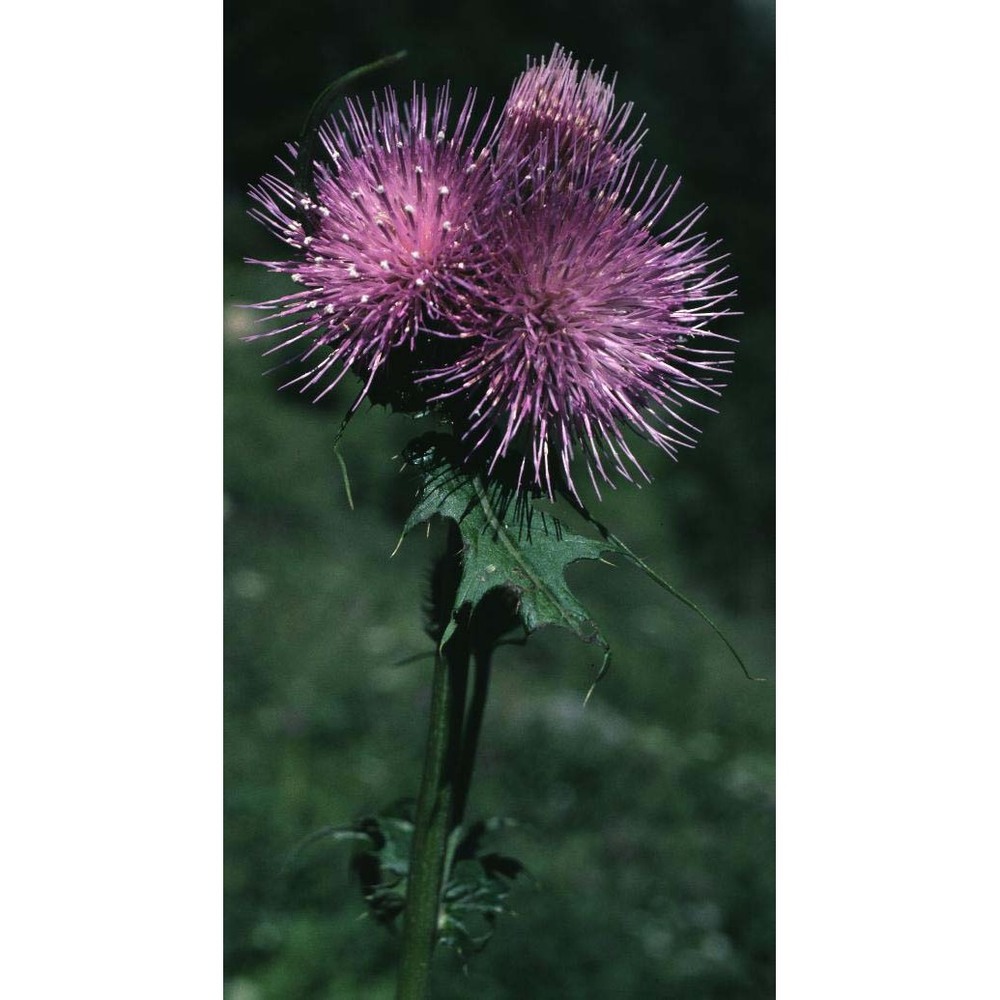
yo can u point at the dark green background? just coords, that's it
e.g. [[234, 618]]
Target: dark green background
[[646, 818]]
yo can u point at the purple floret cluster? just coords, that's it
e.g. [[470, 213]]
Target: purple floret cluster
[[518, 278]]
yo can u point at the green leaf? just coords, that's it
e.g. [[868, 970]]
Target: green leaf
[[476, 895], [477, 883], [506, 543]]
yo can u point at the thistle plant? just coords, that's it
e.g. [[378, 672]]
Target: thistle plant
[[519, 278]]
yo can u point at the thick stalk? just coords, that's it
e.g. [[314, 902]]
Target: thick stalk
[[453, 735], [432, 824]]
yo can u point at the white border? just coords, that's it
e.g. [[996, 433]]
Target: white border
[[111, 705], [887, 511]]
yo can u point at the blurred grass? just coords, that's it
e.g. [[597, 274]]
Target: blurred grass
[[646, 818]]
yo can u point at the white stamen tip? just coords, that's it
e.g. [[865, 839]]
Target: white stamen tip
[[408, 209], [297, 278], [364, 298], [443, 190], [384, 264]]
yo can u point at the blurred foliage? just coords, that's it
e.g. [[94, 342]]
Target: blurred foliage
[[646, 818]]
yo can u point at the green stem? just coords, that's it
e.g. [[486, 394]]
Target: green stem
[[473, 723], [433, 817], [452, 738]]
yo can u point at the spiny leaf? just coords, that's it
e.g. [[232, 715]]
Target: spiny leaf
[[476, 886], [527, 553]]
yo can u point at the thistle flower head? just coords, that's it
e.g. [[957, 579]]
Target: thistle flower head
[[570, 112], [595, 324], [522, 283], [383, 253]]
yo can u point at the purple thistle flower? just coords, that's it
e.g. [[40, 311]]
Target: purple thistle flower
[[385, 253], [572, 113], [594, 324], [515, 281]]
